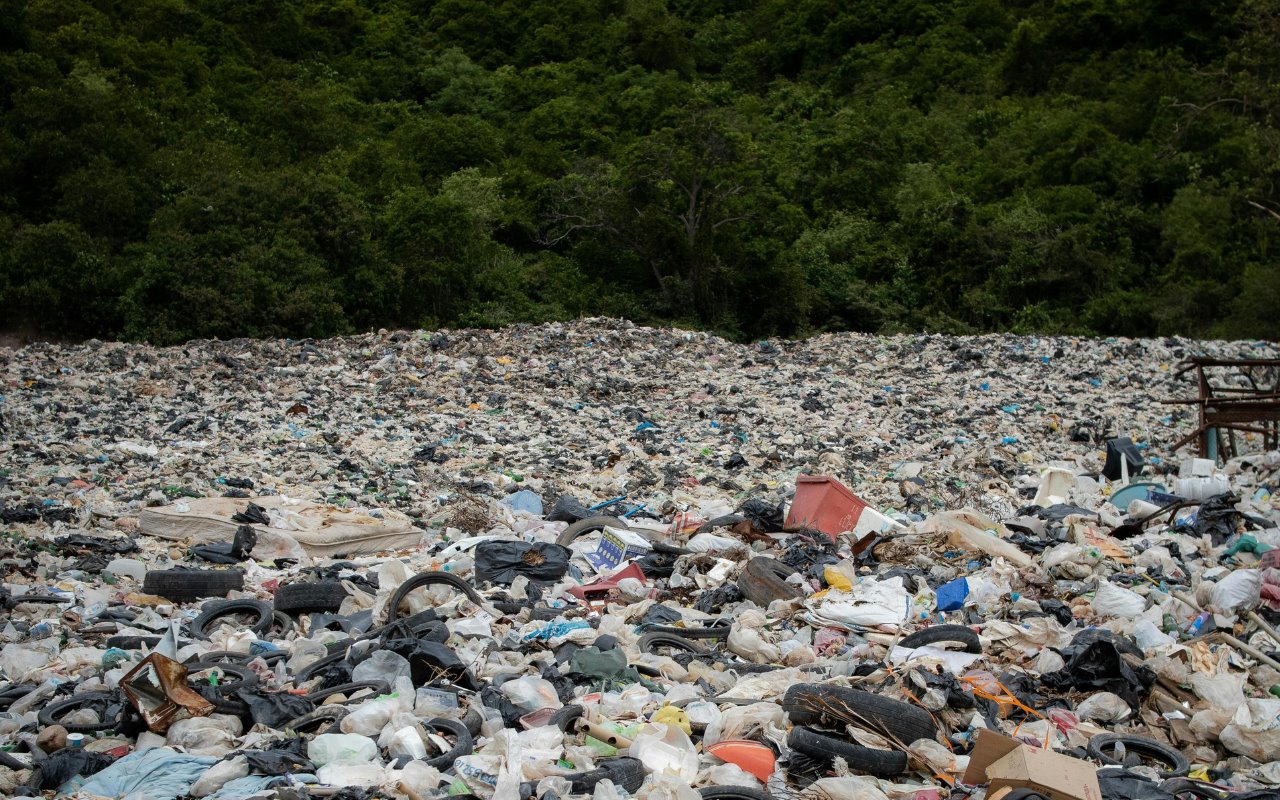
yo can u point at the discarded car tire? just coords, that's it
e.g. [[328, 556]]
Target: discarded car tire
[[217, 658], [202, 625], [837, 706], [306, 598], [628, 773], [944, 633], [588, 525], [566, 716], [192, 584], [473, 719], [712, 632], [538, 613], [881, 763], [649, 641], [733, 793], [461, 747], [726, 521], [223, 696], [333, 714], [309, 671], [53, 712], [281, 624], [429, 579], [764, 580], [1175, 762], [320, 695]]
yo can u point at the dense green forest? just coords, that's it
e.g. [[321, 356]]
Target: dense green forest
[[191, 168]]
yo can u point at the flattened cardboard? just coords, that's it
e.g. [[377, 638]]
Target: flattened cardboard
[[1001, 762]]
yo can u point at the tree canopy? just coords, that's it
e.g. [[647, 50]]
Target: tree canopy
[[172, 169]]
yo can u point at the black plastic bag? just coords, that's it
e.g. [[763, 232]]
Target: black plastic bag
[[1094, 661], [254, 514], [1218, 518], [274, 709], [430, 661], [567, 509], [63, 765], [492, 697], [232, 552], [658, 565], [503, 560], [768, 518], [1120, 784], [282, 759], [659, 614], [712, 601]]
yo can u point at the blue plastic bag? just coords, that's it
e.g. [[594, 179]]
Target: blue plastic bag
[[951, 595]]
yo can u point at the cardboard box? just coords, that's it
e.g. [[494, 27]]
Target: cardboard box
[[617, 546], [1002, 762]]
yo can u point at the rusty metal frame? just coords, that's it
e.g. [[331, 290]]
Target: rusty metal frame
[[1252, 409]]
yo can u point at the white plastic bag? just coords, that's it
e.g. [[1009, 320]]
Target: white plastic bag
[[531, 693], [1103, 707], [667, 750], [1115, 601], [341, 748], [1237, 591], [1254, 730]]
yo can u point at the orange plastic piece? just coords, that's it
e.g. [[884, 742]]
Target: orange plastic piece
[[753, 757], [824, 504]]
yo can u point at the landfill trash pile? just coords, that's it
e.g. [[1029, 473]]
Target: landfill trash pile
[[600, 560]]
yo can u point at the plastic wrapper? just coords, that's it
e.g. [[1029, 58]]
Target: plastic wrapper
[[341, 749]]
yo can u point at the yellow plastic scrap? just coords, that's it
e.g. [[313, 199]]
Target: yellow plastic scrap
[[670, 715], [837, 579]]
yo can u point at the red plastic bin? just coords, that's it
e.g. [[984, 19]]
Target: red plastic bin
[[824, 503]]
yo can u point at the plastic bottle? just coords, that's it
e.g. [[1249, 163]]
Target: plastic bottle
[[28, 701]]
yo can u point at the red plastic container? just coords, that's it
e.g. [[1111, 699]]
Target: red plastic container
[[824, 504]]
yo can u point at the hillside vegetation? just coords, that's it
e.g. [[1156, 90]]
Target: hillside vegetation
[[194, 168]]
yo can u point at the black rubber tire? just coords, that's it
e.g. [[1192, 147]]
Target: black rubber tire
[[628, 773], [461, 748], [306, 598], [192, 584], [538, 613], [1177, 763], [13, 692], [378, 687], [138, 642], [473, 719], [9, 762], [726, 521], [713, 632], [50, 714], [836, 706], [764, 580], [649, 641], [36, 598], [282, 622], [216, 658], [733, 793], [224, 698], [333, 713], [588, 525], [201, 625], [309, 671], [943, 633], [566, 716], [881, 763], [429, 579]]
